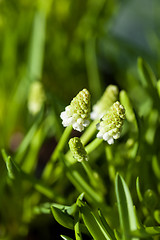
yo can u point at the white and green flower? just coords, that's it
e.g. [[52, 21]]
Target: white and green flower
[[109, 97], [78, 112], [111, 123]]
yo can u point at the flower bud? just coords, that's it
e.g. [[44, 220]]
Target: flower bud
[[109, 97], [36, 97], [111, 123], [77, 149], [78, 112]]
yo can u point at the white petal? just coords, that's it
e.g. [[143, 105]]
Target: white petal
[[80, 121], [106, 136], [99, 135], [110, 141], [117, 135], [86, 123], [63, 115], [78, 127]]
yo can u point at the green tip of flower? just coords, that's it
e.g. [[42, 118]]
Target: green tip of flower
[[78, 112], [77, 149], [111, 123], [109, 97]]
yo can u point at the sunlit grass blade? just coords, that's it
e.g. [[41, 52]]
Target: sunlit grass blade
[[77, 229], [66, 238], [125, 208]]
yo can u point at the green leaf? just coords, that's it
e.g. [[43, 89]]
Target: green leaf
[[138, 190], [66, 238], [95, 227], [66, 209], [77, 229], [125, 208], [147, 76], [62, 218], [13, 170], [106, 226], [146, 232]]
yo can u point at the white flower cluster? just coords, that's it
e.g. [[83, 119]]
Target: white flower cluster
[[111, 123], [77, 113]]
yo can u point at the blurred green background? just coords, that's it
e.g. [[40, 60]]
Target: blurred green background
[[69, 45]]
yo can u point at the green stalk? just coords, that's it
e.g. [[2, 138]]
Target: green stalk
[[61, 144], [90, 131], [93, 145], [90, 173]]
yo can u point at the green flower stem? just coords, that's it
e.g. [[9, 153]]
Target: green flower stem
[[80, 183], [90, 131], [109, 157], [61, 144], [93, 145], [90, 173]]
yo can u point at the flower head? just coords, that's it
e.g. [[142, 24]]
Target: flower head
[[111, 123], [109, 97], [78, 112], [36, 97], [77, 149]]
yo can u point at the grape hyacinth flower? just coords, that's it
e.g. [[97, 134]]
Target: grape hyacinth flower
[[109, 97], [78, 112], [111, 123], [77, 149], [36, 97]]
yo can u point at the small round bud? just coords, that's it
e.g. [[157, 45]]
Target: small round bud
[[150, 199], [77, 149]]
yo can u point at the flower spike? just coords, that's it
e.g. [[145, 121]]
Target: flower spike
[[78, 112], [109, 97], [36, 97], [111, 123], [77, 149]]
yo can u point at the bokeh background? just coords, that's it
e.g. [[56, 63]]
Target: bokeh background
[[69, 45]]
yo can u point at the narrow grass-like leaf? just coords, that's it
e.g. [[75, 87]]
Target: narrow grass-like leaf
[[138, 190], [62, 218], [147, 76], [146, 232], [66, 238], [125, 208], [15, 171], [80, 183], [77, 230], [106, 226], [95, 227]]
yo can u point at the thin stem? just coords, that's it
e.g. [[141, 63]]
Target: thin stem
[[61, 144], [93, 145], [90, 131], [90, 173]]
